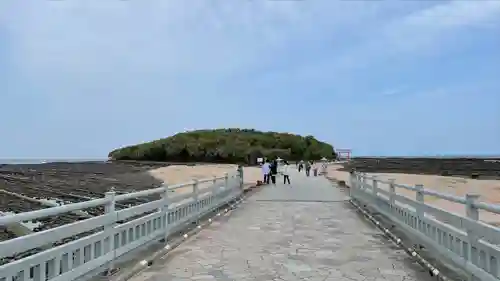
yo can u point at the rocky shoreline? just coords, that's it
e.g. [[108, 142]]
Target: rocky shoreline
[[68, 182], [478, 168], [92, 177]]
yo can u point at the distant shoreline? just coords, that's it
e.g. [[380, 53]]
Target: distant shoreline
[[10, 162], [27, 161], [428, 157], [48, 160]]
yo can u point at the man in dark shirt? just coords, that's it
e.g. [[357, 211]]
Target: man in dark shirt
[[308, 167], [274, 171]]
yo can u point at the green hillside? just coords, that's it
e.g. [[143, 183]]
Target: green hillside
[[226, 146]]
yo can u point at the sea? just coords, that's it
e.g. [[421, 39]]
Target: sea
[[50, 160]]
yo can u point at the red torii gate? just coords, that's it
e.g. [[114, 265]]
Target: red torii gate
[[343, 153]]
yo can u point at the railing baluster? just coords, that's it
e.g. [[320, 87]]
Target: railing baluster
[[419, 196]]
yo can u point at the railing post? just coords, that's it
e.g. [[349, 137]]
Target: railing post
[[471, 210], [472, 213], [375, 186], [240, 173], [352, 179], [224, 193], [363, 180], [166, 203], [419, 196], [110, 209], [392, 192], [352, 183], [196, 190], [196, 193]]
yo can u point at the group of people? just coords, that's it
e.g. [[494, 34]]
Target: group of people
[[307, 166], [270, 171]]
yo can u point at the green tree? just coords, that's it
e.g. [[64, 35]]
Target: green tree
[[229, 145]]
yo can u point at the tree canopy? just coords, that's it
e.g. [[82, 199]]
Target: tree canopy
[[230, 145]]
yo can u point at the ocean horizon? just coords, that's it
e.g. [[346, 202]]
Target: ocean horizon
[[76, 160], [49, 160]]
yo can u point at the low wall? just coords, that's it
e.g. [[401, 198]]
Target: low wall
[[482, 168]]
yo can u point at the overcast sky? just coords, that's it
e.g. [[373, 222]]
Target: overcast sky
[[80, 78]]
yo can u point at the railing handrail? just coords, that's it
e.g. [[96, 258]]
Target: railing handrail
[[78, 248], [493, 208], [469, 244], [66, 208]]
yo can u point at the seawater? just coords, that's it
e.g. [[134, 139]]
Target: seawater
[[49, 160]]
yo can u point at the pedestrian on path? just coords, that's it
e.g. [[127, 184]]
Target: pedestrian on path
[[301, 165], [323, 168], [308, 168], [286, 174], [315, 168], [266, 170], [274, 171]]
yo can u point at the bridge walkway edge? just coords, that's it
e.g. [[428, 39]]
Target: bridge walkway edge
[[303, 231]]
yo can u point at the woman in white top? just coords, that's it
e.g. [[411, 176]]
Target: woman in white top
[[284, 171], [266, 170]]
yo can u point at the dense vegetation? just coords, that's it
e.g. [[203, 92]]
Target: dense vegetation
[[226, 146]]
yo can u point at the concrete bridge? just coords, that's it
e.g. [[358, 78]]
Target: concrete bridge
[[303, 231], [309, 230]]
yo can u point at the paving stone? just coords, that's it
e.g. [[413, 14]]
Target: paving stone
[[305, 231]]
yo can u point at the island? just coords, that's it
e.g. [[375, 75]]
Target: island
[[230, 145]]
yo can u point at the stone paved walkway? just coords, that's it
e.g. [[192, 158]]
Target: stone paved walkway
[[305, 231]]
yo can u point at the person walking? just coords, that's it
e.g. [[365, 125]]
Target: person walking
[[274, 171], [301, 165], [266, 170], [308, 168], [284, 171], [315, 168], [323, 168]]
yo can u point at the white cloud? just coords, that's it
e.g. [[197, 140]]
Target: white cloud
[[217, 37], [177, 37], [428, 29], [131, 56], [419, 33], [99, 45], [457, 13]]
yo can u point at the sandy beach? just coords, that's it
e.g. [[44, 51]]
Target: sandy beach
[[176, 174]]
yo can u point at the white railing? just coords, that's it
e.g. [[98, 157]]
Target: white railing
[[115, 232], [471, 245]]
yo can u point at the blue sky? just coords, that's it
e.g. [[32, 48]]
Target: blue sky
[[79, 78]]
